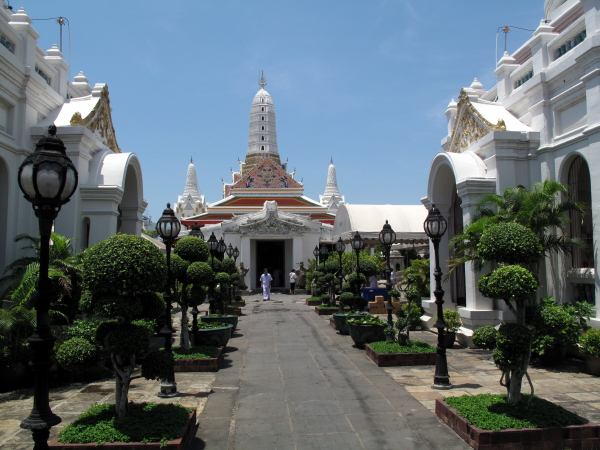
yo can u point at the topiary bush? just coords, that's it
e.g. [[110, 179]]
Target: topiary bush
[[369, 268], [179, 268], [77, 354], [452, 319], [412, 295], [509, 243], [331, 267], [512, 348], [485, 337], [222, 278], [228, 266], [158, 365], [589, 343], [84, 329], [510, 283], [394, 293], [192, 249], [346, 298], [199, 273], [553, 327]]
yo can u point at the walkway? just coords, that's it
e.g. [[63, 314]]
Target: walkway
[[293, 383]]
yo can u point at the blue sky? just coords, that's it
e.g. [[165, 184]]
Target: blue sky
[[364, 82]]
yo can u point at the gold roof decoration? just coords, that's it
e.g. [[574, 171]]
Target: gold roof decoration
[[470, 125], [100, 120]]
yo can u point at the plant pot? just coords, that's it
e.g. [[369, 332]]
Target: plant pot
[[365, 334], [217, 337], [593, 364], [449, 338], [554, 356], [230, 319], [340, 321]]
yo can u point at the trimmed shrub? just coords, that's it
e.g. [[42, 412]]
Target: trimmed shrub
[[77, 354], [369, 268], [222, 278], [412, 295], [124, 264], [510, 243], [347, 298], [394, 293], [590, 343], [179, 267], [452, 319], [158, 365], [115, 305], [485, 337], [331, 267], [234, 277], [228, 266], [192, 249], [199, 272], [512, 347], [153, 306], [127, 339], [196, 294], [84, 329], [511, 283]]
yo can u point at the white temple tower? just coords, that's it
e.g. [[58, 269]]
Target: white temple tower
[[191, 203], [331, 198]]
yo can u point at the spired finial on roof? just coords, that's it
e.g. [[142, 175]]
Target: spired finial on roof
[[191, 160], [331, 162], [262, 82]]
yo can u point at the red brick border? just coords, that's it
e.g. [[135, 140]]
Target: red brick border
[[332, 323], [574, 437], [313, 302], [242, 303], [185, 436], [325, 312], [200, 365], [233, 312], [399, 359]]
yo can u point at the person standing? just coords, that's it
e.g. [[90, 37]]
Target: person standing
[[265, 281], [293, 277]]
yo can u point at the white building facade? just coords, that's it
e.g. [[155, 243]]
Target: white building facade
[[541, 121], [34, 93]]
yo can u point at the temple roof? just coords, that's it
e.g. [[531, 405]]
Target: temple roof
[[267, 174]]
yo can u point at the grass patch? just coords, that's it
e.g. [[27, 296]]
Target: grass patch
[[491, 412], [394, 347], [198, 352], [145, 422]]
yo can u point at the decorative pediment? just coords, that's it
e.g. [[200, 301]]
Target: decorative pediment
[[271, 223], [267, 174], [470, 125], [99, 122]]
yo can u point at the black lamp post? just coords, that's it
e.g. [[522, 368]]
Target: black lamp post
[[357, 245], [435, 226], [221, 249], [48, 179], [168, 228], [339, 248], [236, 253], [230, 254], [316, 253], [387, 237], [196, 232], [323, 252], [213, 244]]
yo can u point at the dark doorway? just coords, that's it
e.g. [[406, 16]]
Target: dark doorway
[[271, 255]]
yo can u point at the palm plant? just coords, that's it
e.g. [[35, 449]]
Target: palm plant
[[544, 209]]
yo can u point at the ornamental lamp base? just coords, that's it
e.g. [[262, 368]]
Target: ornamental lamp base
[[168, 389], [440, 386]]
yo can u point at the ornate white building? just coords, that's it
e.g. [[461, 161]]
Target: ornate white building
[[35, 92], [540, 121], [331, 197], [191, 203]]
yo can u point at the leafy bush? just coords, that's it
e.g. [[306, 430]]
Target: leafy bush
[[196, 294], [394, 347], [417, 276], [485, 337], [84, 329], [346, 298], [331, 267], [369, 268], [394, 293], [553, 327], [179, 268], [116, 305], [590, 343], [192, 249], [199, 272], [146, 422], [222, 278], [127, 339], [238, 298], [234, 278], [211, 325], [493, 412], [228, 266], [124, 263], [153, 306], [368, 319], [148, 325], [415, 310], [452, 319], [77, 354], [509, 283], [353, 279], [512, 347], [157, 365], [197, 352], [510, 243], [412, 295]]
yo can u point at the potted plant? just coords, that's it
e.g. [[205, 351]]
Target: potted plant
[[216, 334], [589, 344], [453, 324], [228, 319], [366, 329], [340, 319]]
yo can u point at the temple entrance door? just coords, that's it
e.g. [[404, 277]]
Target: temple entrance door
[[271, 254]]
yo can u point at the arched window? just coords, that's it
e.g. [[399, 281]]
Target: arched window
[[262, 138], [262, 118], [263, 128], [263, 108], [262, 147], [581, 227]]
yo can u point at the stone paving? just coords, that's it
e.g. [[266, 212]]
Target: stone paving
[[290, 381]]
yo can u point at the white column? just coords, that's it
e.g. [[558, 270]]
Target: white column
[[246, 258]]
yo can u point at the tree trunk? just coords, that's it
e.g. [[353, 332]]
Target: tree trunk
[[185, 332], [122, 381]]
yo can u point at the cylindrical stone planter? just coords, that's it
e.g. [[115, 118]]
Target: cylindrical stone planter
[[230, 319], [340, 321], [217, 337], [365, 334]]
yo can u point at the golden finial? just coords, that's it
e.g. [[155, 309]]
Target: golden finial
[[262, 82]]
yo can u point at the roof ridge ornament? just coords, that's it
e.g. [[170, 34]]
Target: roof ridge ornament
[[262, 82]]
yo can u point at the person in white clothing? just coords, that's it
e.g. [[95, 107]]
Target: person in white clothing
[[265, 281], [293, 277]]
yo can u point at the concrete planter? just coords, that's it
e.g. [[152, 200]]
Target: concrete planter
[[365, 334], [576, 436], [229, 319], [313, 302], [233, 312], [399, 359], [217, 337], [340, 321], [181, 443], [200, 365], [325, 312]]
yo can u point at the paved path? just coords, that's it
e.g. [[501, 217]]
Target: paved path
[[292, 382]]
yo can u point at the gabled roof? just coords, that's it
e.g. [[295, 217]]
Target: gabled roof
[[267, 174], [238, 201]]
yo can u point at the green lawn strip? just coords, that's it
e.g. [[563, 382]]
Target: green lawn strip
[[394, 347], [198, 352], [491, 412], [145, 422]]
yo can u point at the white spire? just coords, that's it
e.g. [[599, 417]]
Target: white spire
[[331, 198], [191, 181], [262, 138]]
